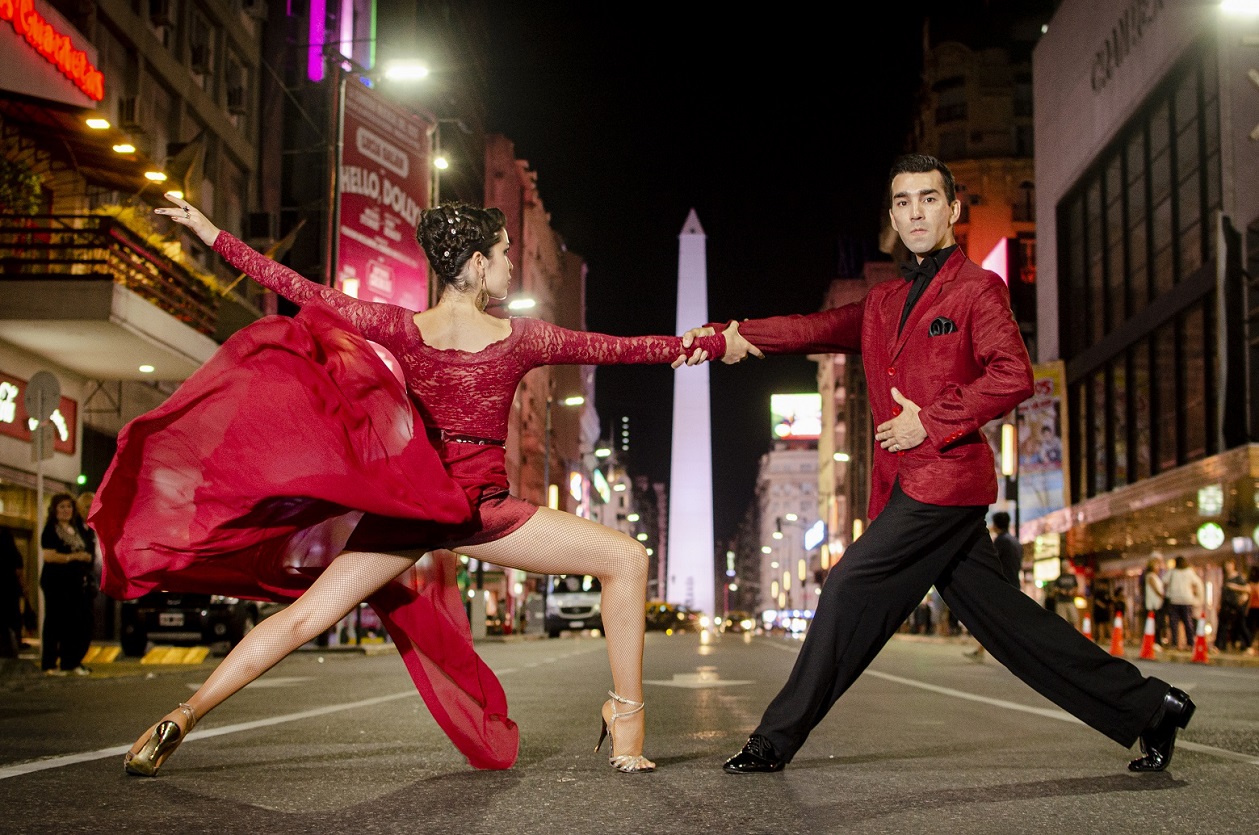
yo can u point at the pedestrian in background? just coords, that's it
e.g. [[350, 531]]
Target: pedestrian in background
[[1230, 623], [1185, 596], [1153, 599], [1065, 589], [1252, 612], [11, 584], [68, 549]]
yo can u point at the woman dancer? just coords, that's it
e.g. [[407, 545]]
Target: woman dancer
[[461, 367]]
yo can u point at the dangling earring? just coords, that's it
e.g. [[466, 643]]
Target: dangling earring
[[482, 298]]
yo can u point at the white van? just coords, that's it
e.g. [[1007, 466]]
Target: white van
[[572, 603]]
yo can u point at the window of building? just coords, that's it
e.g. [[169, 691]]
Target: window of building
[[1136, 225]]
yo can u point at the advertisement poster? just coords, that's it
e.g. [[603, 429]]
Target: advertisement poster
[[1042, 444], [384, 184], [796, 416]]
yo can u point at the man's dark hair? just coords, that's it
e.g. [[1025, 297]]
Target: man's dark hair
[[1001, 520], [923, 164]]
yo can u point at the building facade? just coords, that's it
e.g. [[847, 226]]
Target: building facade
[[1148, 209]]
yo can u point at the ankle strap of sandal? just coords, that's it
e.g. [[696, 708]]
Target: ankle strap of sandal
[[190, 715], [619, 699]]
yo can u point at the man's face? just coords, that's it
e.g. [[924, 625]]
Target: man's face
[[921, 214]]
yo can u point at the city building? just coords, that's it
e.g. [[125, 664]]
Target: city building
[[104, 107], [787, 506], [1148, 221]]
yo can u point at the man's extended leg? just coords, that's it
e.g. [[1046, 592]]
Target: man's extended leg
[[1106, 692]]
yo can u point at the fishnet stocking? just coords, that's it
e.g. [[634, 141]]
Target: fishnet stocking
[[553, 542]]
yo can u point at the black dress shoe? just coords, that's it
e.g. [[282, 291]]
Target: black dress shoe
[[1158, 740], [757, 757]]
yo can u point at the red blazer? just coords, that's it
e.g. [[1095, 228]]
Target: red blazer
[[968, 373]]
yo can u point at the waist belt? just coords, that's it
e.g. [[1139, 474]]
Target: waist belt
[[454, 437]]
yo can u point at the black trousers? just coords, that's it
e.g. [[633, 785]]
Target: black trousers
[[67, 634], [884, 574]]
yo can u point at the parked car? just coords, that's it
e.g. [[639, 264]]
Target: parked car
[[573, 604], [178, 619]]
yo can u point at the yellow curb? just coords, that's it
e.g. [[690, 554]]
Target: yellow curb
[[175, 655], [101, 655]]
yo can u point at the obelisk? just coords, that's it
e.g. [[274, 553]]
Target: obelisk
[[690, 543]]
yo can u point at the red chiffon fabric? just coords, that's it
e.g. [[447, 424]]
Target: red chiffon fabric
[[252, 476]]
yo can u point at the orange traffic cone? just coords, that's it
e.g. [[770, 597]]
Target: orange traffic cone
[[1200, 642], [1116, 637], [1087, 627], [1147, 642]]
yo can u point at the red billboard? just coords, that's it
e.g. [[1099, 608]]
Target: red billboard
[[15, 422], [383, 184]]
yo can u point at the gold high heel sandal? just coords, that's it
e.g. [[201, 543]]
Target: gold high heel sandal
[[161, 744], [625, 763]]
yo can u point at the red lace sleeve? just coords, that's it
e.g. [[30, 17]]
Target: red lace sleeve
[[374, 321], [552, 345], [835, 331]]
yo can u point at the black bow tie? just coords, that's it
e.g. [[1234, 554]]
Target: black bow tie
[[913, 272]]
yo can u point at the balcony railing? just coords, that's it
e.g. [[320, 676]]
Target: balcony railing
[[97, 247]]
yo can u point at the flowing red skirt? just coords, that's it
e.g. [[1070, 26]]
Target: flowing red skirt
[[251, 477]]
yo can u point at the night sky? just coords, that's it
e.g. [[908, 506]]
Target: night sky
[[778, 132]]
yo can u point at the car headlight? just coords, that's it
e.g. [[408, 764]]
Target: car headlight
[[221, 599]]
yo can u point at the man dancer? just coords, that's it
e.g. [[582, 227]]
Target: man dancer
[[944, 338]]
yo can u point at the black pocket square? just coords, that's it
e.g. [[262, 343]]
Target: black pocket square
[[942, 325]]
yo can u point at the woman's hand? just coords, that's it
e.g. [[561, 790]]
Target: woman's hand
[[188, 215]]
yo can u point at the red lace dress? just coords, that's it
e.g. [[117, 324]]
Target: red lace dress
[[295, 441]]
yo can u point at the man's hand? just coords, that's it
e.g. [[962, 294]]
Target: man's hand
[[737, 348], [188, 215], [903, 431]]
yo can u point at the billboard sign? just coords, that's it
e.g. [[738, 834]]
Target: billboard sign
[[796, 416], [383, 185]]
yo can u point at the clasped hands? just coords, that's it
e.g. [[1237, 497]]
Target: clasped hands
[[737, 348]]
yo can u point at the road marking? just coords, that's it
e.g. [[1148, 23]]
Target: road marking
[[33, 766], [702, 678], [1046, 712], [20, 769]]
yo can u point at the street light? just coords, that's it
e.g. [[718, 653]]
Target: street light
[[440, 161]]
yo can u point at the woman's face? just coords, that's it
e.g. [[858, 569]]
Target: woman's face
[[64, 510], [498, 268]]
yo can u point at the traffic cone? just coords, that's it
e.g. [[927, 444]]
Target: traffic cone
[[1087, 627], [1116, 637], [1200, 642], [1147, 643]]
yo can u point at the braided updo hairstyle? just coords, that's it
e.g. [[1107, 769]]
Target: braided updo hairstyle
[[450, 233]]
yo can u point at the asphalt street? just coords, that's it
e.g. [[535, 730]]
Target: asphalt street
[[926, 741]]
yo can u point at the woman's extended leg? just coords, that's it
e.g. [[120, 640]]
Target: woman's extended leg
[[554, 542], [351, 578]]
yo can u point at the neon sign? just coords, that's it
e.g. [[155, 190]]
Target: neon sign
[[56, 48]]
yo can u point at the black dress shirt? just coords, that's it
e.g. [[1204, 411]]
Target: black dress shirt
[[919, 275]]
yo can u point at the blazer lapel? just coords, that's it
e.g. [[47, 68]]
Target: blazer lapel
[[946, 274]]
